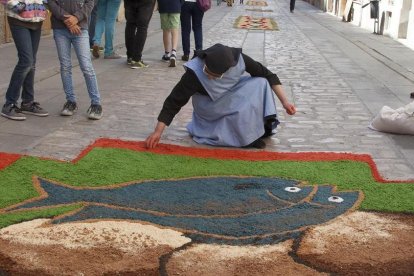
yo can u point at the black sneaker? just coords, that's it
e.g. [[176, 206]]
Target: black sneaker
[[165, 57], [95, 112], [69, 108], [12, 112], [33, 108], [257, 144], [129, 61], [185, 57]]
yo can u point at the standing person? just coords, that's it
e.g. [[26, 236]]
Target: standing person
[[292, 5], [191, 14], [170, 22], [25, 18], [105, 21], [241, 2], [138, 15], [70, 27], [229, 109]]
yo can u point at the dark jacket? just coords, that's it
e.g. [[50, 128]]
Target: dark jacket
[[170, 6], [79, 8]]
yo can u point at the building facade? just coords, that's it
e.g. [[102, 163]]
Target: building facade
[[394, 18]]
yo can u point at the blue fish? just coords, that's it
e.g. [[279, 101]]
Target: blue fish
[[230, 210]]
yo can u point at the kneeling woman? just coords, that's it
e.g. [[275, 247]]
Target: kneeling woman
[[229, 108]]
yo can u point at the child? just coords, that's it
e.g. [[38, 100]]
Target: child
[[70, 27], [25, 18], [170, 22]]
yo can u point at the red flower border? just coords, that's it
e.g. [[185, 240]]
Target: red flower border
[[7, 159]]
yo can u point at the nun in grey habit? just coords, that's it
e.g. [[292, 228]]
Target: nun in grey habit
[[230, 108]]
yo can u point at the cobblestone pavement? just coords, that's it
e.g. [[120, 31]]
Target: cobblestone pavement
[[338, 75]]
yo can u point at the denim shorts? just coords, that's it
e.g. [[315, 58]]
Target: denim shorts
[[170, 21]]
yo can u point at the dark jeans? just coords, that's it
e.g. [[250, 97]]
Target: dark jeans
[[292, 5], [191, 13], [92, 23], [27, 43], [138, 15]]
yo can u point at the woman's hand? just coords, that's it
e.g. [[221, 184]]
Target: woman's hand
[[154, 138], [290, 108], [280, 93]]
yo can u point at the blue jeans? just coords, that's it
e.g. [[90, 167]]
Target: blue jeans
[[27, 43], [191, 13], [107, 13], [64, 41], [92, 24]]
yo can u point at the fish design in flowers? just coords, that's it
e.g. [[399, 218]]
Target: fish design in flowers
[[230, 210]]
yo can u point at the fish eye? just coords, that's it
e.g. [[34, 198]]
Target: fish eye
[[292, 189], [336, 199]]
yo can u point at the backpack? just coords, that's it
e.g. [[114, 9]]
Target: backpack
[[204, 5]]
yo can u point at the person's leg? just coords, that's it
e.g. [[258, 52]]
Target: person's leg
[[99, 27], [92, 23], [174, 21], [165, 32], [130, 27], [29, 106], [22, 39], [174, 24], [63, 46], [110, 18], [28, 84], [80, 44], [185, 19], [174, 38], [166, 40], [143, 17], [197, 19], [292, 5]]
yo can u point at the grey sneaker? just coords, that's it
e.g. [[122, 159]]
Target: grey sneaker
[[33, 108], [173, 60], [12, 112], [69, 108], [138, 64], [95, 112], [114, 55]]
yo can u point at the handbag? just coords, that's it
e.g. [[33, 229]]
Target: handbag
[[204, 5]]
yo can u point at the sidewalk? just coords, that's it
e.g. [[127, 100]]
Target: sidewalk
[[338, 75]]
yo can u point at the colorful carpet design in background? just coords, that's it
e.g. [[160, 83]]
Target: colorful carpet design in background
[[259, 10], [212, 195], [256, 3], [251, 23]]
